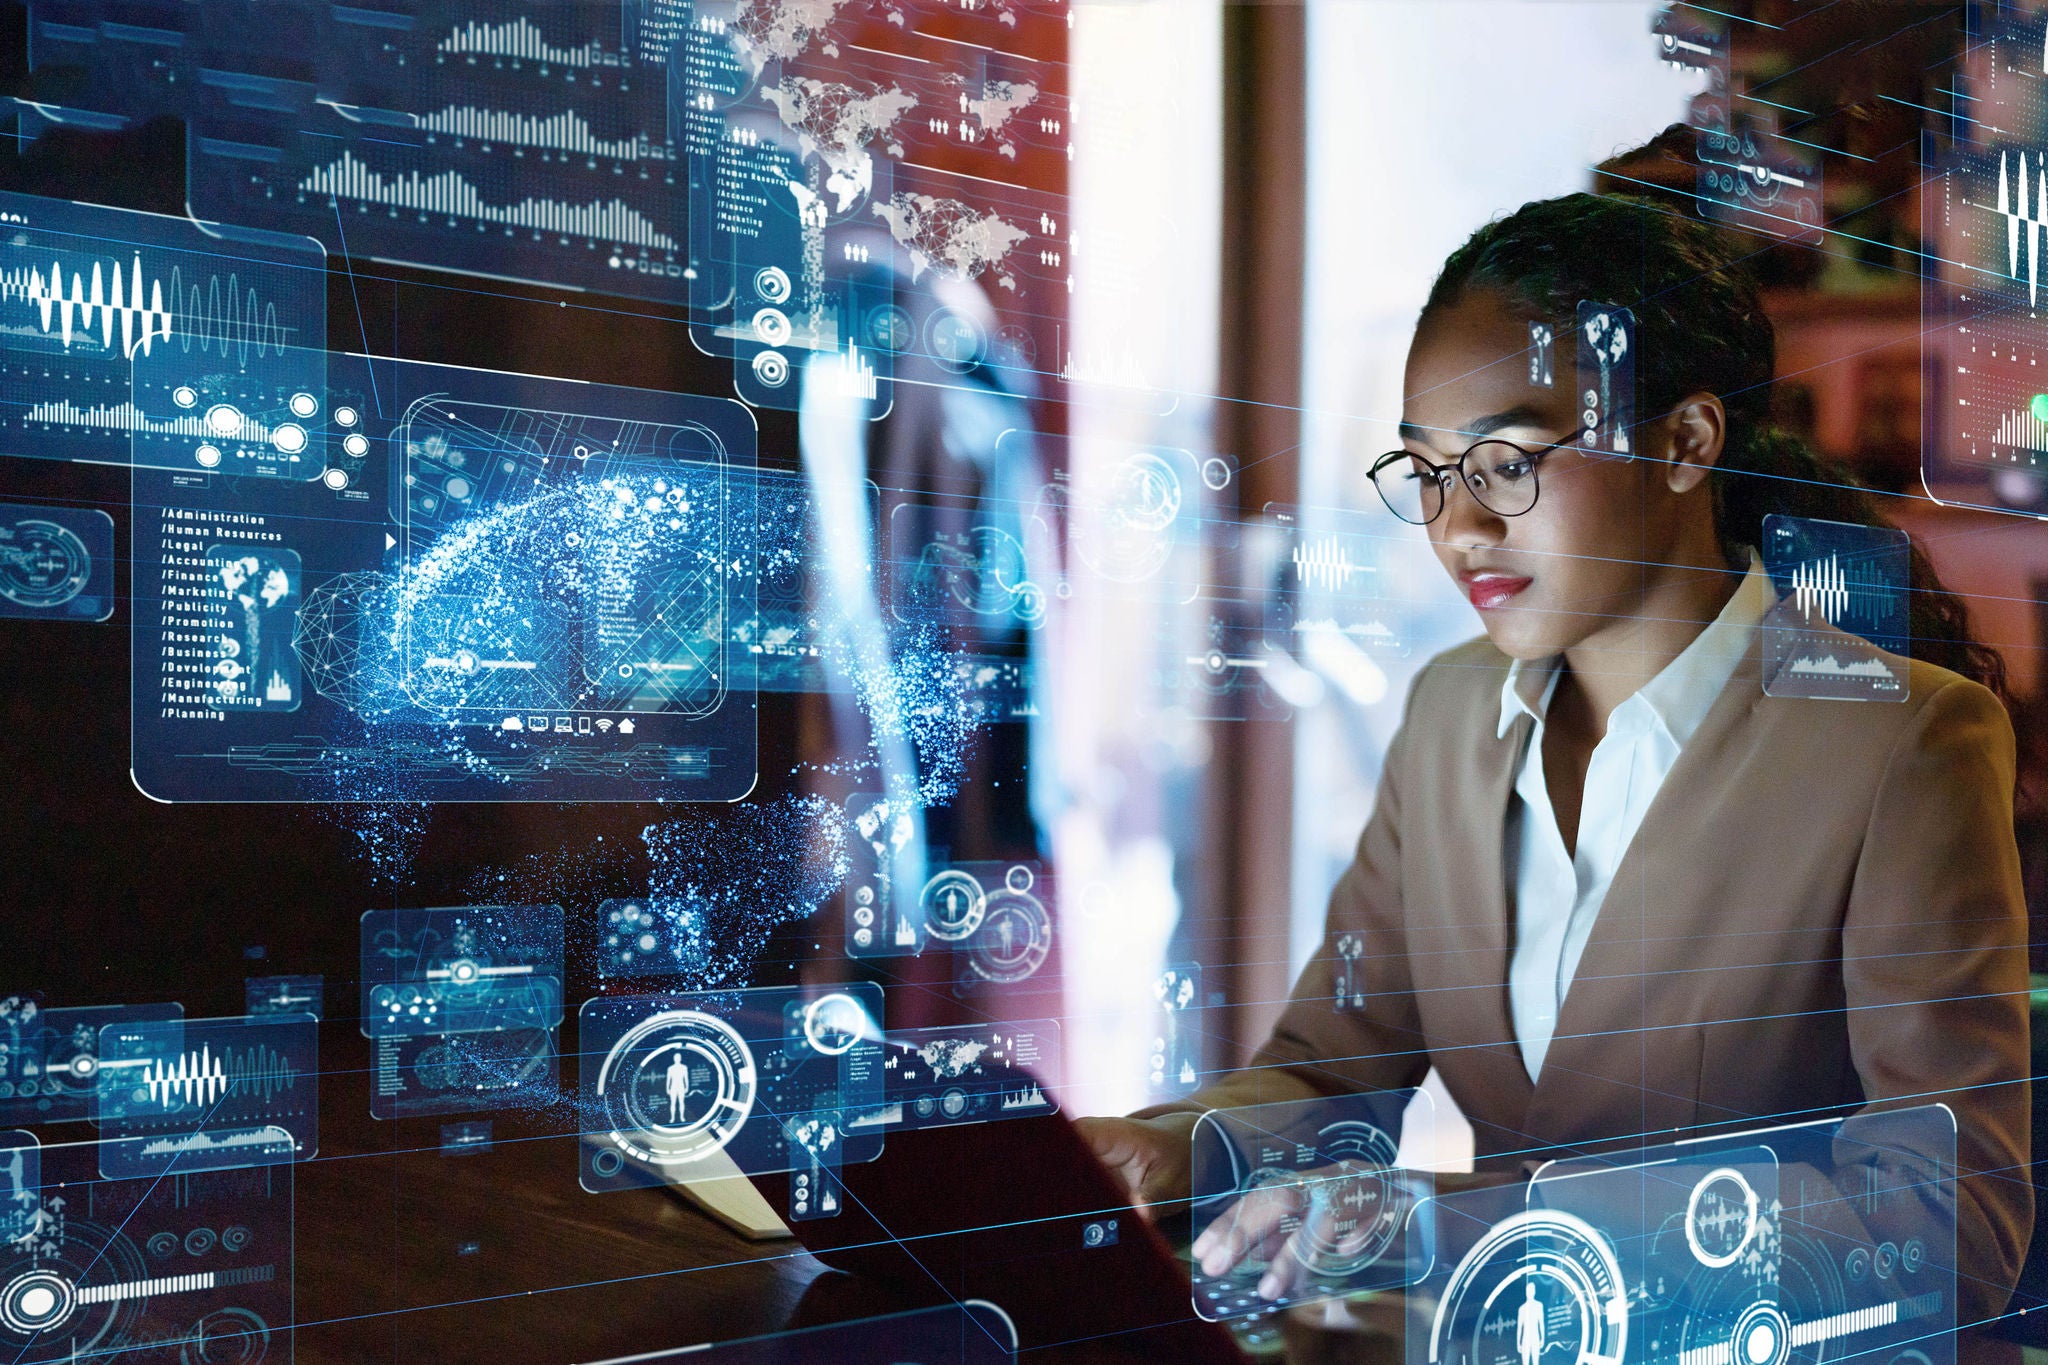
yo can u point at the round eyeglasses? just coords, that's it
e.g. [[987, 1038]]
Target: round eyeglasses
[[1500, 475]]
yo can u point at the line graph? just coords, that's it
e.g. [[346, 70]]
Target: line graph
[[451, 194]]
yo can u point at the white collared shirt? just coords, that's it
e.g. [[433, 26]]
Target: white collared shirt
[[1558, 894]]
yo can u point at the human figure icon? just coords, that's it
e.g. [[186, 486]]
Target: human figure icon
[[678, 1087], [1529, 1326]]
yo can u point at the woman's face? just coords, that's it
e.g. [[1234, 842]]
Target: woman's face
[[1579, 562]]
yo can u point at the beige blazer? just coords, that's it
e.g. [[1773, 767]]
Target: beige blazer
[[1820, 911]]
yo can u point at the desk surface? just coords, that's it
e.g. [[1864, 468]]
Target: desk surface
[[500, 1256]]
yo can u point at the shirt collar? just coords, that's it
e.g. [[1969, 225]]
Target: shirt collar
[[1683, 692]]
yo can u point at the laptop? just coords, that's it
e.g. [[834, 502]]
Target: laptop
[[1018, 1213]]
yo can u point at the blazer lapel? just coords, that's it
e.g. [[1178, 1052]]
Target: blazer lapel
[[1611, 1001], [1495, 1086]]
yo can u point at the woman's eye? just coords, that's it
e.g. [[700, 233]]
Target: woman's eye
[[1513, 471]]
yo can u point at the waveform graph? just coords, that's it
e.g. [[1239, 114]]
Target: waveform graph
[[178, 1096], [1336, 593], [91, 297], [1324, 563], [1840, 627]]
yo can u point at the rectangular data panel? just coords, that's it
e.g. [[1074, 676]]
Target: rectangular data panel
[[972, 1074], [1819, 1241], [189, 1269], [1840, 630], [208, 1094], [835, 155], [501, 588], [525, 142], [284, 994], [56, 563], [1984, 404], [50, 1058], [768, 1076], [472, 969], [133, 337], [1309, 1194], [463, 1007], [1342, 589]]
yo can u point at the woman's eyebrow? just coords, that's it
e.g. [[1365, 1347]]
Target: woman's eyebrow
[[1520, 416]]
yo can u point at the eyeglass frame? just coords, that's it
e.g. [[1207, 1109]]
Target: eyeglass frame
[[1535, 458]]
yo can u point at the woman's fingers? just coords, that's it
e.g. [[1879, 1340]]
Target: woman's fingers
[[1253, 1223]]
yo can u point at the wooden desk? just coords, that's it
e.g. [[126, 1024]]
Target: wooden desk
[[498, 1257]]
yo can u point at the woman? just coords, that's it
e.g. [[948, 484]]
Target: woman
[[1611, 890]]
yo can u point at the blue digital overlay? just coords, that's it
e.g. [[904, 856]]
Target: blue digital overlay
[[501, 588], [56, 563], [1311, 1194], [1840, 628], [150, 1269], [473, 969], [165, 342], [1799, 1242], [50, 1057], [769, 1076], [187, 1095]]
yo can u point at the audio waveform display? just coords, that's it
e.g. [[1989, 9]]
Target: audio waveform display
[[141, 323], [451, 194], [1842, 624], [195, 1078], [118, 295], [2022, 225], [207, 1094], [1323, 563]]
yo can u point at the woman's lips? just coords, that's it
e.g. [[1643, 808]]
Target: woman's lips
[[1491, 590]]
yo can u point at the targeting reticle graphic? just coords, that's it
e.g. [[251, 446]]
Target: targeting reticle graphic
[[670, 1080], [1312, 1190]]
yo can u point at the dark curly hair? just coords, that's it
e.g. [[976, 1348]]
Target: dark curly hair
[[1700, 328]]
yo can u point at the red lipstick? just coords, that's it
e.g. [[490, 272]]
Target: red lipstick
[[1490, 589]]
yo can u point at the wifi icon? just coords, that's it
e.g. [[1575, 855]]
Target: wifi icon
[[603, 725]]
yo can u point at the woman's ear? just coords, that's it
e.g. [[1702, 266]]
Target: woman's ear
[[1699, 431]]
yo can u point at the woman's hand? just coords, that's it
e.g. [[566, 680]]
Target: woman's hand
[[1149, 1156]]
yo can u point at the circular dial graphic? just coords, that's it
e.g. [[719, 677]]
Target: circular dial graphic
[[1015, 936], [954, 905], [1540, 1288], [44, 1281], [44, 565], [677, 1087], [1356, 1206]]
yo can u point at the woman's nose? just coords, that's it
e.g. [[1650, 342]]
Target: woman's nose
[[1468, 521]]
